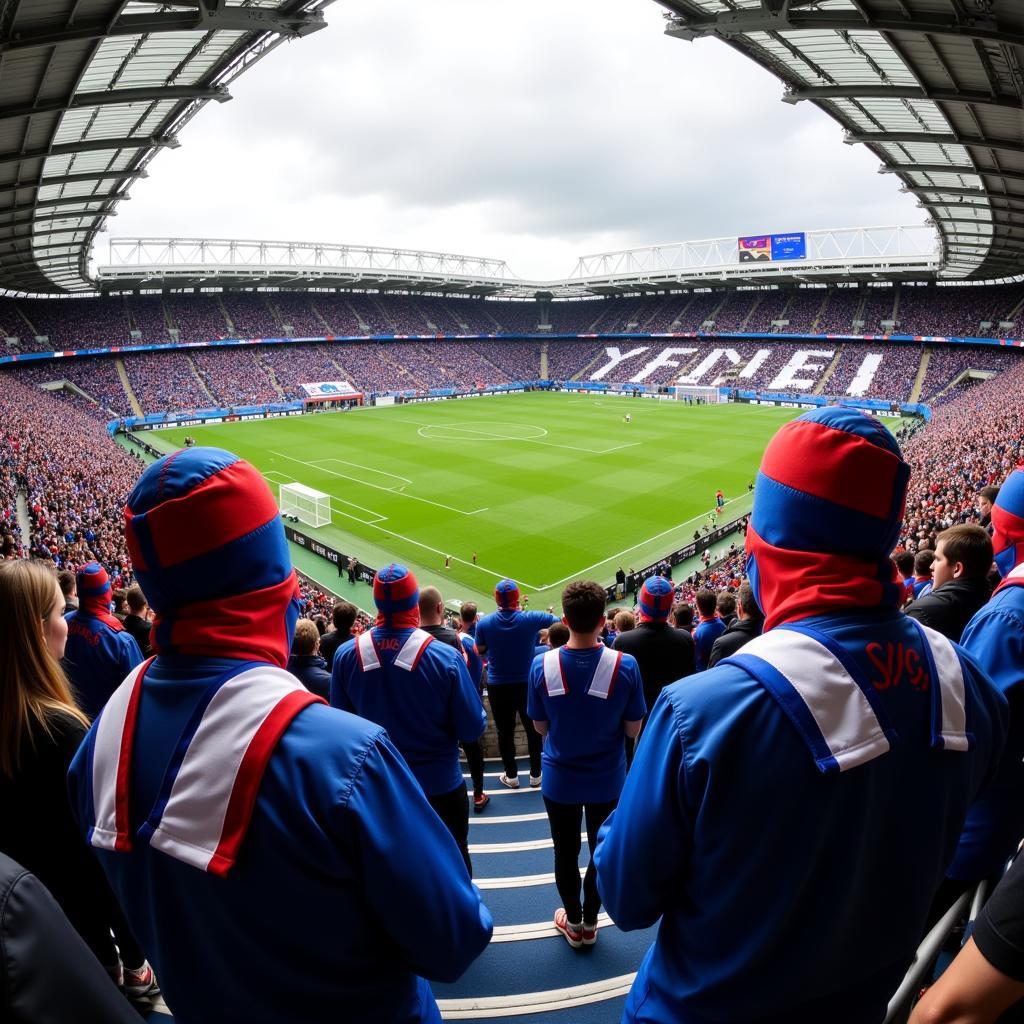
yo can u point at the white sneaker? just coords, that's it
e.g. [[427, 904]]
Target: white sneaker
[[506, 781], [535, 781]]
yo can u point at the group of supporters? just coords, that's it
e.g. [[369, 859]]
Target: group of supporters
[[794, 794]]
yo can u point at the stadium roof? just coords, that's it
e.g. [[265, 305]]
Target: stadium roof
[[933, 87], [90, 92]]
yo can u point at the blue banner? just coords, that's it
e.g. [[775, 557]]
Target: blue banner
[[789, 247]]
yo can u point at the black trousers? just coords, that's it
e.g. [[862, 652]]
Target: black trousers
[[565, 821], [475, 761], [453, 809], [507, 701]]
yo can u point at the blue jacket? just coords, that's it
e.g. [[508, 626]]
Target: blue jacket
[[789, 895], [704, 636], [311, 671], [100, 652], [426, 711], [508, 639], [325, 913], [995, 823]]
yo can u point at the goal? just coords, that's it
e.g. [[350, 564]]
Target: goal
[[700, 396], [310, 507]]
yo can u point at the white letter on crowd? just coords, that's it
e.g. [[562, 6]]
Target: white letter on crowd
[[664, 358], [616, 357], [756, 362], [865, 375], [695, 375], [788, 378]]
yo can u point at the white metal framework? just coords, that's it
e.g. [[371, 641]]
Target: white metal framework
[[310, 507]]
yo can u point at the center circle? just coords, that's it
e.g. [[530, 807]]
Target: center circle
[[482, 430]]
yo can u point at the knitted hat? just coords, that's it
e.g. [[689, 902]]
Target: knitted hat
[[1008, 523], [827, 512], [93, 585], [656, 598], [506, 594], [396, 595], [210, 554]]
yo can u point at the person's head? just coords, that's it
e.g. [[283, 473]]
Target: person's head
[[905, 563], [923, 563], [33, 688], [746, 606], [707, 602], [828, 507], [558, 634], [397, 597], [321, 624], [209, 551], [624, 621], [120, 603], [1008, 523], [655, 600], [506, 595], [306, 638], [94, 591], [344, 616], [583, 604], [431, 607], [66, 582], [682, 616], [962, 552], [726, 605], [986, 499], [136, 600], [467, 613]]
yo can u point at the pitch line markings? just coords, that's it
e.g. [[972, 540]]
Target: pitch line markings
[[369, 469], [487, 436], [378, 487]]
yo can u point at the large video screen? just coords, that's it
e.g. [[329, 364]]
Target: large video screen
[[772, 248]]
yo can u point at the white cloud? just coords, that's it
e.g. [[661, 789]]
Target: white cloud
[[534, 132]]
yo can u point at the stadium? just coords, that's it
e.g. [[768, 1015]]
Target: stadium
[[615, 426]]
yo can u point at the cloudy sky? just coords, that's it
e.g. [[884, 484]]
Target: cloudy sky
[[535, 132]]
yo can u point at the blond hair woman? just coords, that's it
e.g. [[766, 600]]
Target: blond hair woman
[[41, 728]]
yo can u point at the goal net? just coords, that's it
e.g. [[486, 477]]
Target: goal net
[[310, 507], [700, 396]]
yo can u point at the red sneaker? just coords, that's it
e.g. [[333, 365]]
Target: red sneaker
[[573, 932], [141, 983], [589, 933], [480, 801]]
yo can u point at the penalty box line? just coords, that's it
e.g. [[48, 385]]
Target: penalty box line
[[376, 487]]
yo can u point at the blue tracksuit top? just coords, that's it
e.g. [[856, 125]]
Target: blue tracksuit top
[[995, 823], [100, 652], [510, 638], [328, 915], [786, 895], [705, 634], [426, 712]]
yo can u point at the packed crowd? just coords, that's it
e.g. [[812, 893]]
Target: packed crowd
[[189, 317], [715, 721]]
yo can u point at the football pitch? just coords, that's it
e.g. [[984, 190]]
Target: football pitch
[[539, 487]]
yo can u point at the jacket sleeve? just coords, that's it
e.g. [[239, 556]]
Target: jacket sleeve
[[468, 716], [644, 846], [415, 879], [36, 936], [131, 655], [339, 674]]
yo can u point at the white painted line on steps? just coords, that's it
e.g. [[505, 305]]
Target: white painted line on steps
[[530, 844], [507, 819], [538, 930], [519, 881], [536, 1002]]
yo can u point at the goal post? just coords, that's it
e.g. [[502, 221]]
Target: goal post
[[700, 396], [310, 507]]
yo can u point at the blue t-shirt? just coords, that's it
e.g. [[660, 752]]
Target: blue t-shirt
[[584, 758], [98, 656], [509, 638], [704, 637], [474, 662], [426, 711]]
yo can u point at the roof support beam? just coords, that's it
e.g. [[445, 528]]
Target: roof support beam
[[729, 24], [70, 179], [972, 193], [49, 204], [900, 92], [113, 96], [205, 16], [933, 139], [972, 172], [93, 146], [19, 221]]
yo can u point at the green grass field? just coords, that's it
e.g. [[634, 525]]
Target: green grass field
[[544, 488]]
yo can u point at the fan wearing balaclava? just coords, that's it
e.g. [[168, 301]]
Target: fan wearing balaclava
[[995, 637], [258, 839], [798, 803]]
